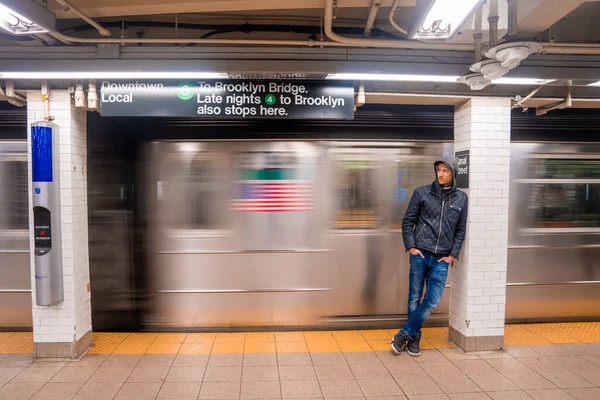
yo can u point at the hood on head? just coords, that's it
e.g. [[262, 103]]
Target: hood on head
[[450, 163]]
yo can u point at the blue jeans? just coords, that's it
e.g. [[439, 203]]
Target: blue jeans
[[423, 270]]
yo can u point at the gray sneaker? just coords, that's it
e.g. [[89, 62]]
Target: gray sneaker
[[399, 343], [412, 347]]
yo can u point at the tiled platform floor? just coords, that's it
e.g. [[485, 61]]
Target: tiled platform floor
[[542, 362]]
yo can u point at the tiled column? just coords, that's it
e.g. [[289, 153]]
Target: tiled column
[[65, 329], [478, 278]]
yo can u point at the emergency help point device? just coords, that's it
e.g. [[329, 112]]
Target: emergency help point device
[[46, 214]]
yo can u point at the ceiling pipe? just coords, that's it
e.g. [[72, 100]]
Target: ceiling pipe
[[337, 41], [566, 103], [513, 20], [70, 7], [520, 102], [240, 42], [375, 4], [45, 90], [478, 34], [493, 21], [553, 48], [391, 16], [390, 44], [549, 47], [11, 96]]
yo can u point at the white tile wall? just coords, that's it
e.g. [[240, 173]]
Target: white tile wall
[[70, 319], [478, 279]]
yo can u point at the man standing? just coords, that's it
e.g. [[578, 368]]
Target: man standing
[[433, 230]]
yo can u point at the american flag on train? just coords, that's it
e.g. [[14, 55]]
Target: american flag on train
[[274, 196]]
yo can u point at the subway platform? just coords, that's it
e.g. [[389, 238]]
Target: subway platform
[[539, 361]]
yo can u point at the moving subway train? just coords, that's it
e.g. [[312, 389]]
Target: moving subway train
[[294, 233], [287, 233]]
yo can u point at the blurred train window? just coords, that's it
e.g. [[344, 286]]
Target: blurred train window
[[203, 189], [556, 168], [401, 196], [16, 196], [562, 193], [356, 194], [564, 205]]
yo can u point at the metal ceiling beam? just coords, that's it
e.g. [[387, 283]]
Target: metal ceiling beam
[[546, 14], [287, 62]]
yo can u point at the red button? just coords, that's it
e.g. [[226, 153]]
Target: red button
[[42, 233]]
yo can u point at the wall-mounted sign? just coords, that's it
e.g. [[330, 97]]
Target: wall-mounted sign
[[255, 99], [462, 175]]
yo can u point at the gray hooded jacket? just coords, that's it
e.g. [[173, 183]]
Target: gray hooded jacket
[[436, 223]]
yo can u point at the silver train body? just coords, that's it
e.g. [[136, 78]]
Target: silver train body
[[15, 284], [307, 234], [226, 250]]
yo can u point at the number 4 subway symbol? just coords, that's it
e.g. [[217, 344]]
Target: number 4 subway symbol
[[270, 99]]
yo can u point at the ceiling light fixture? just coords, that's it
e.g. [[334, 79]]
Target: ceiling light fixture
[[511, 54], [443, 18], [522, 81], [25, 17], [112, 75], [490, 69], [393, 77], [475, 81]]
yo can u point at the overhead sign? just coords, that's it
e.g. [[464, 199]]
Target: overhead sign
[[462, 175], [255, 99]]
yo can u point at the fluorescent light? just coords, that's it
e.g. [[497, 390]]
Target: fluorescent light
[[595, 84], [25, 17], [112, 75], [521, 81], [444, 18], [393, 77]]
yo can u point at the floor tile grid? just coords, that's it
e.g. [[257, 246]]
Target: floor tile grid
[[555, 389], [60, 367], [435, 354]]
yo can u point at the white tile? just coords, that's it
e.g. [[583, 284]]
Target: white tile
[[493, 323], [491, 308], [497, 331], [481, 332]]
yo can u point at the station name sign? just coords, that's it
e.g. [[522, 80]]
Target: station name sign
[[246, 99], [462, 175]]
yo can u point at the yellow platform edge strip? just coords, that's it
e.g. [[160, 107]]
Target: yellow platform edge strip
[[302, 341]]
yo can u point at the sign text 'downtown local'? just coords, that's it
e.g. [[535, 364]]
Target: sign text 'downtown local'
[[228, 99]]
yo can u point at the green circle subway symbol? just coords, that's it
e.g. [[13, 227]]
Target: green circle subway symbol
[[270, 99], [185, 91]]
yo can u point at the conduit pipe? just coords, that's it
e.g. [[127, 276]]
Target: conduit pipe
[[360, 96], [550, 48], [391, 44], [568, 102], [337, 41], [393, 12], [493, 22], [102, 30], [371, 19], [478, 35], [513, 20], [11, 96], [46, 98]]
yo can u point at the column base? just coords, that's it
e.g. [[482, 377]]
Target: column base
[[475, 343], [69, 350]]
